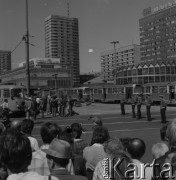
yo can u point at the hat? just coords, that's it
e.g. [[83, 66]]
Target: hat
[[59, 149]]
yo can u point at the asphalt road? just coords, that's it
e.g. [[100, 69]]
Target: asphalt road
[[118, 125]]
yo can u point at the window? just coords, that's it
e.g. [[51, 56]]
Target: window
[[151, 79], [129, 72], [168, 70], [134, 72], [168, 78], [157, 78], [157, 70], [147, 90], [145, 71], [99, 91], [163, 79], [163, 70], [139, 71], [145, 79], [154, 89], [109, 90], [95, 91], [151, 70], [6, 93], [162, 89], [114, 90]]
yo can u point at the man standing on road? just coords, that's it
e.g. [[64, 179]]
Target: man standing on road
[[139, 103], [148, 106], [163, 109], [122, 104], [133, 104]]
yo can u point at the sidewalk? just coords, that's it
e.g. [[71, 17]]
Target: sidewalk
[[100, 108]]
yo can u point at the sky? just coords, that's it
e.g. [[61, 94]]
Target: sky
[[100, 22]]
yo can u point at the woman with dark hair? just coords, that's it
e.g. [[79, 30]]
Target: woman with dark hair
[[95, 153]]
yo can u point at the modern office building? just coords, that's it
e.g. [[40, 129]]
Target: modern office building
[[62, 41], [158, 33], [5, 61], [123, 56]]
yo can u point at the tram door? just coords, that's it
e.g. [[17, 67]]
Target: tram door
[[129, 91], [104, 94]]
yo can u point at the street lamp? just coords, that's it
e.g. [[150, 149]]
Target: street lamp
[[114, 43], [55, 77]]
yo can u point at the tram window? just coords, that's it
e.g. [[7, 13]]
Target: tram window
[[154, 89], [120, 90], [95, 91], [114, 90], [6, 93], [16, 92], [147, 89], [99, 91], [162, 89], [75, 92], [109, 90]]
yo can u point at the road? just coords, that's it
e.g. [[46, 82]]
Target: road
[[117, 124]]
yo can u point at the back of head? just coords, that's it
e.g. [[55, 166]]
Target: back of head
[[27, 126], [49, 131], [96, 119], [113, 147], [66, 135], [76, 130], [15, 126], [159, 149], [136, 148], [171, 134], [100, 135], [16, 153]]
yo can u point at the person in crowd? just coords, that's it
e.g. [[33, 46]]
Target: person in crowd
[[63, 106], [48, 104], [58, 155], [27, 126], [14, 126], [114, 151], [122, 104], [125, 142], [70, 103], [42, 106], [38, 102], [39, 163], [97, 121], [34, 108], [159, 149], [54, 105], [167, 157], [2, 128], [133, 104], [148, 103], [95, 153], [163, 109], [79, 144], [16, 156], [139, 103], [136, 148], [28, 104]]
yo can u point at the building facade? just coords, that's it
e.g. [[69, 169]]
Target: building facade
[[147, 72], [158, 33], [39, 77], [62, 41], [112, 59], [5, 61]]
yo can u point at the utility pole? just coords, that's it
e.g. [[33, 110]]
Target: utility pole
[[55, 84], [27, 52], [115, 60]]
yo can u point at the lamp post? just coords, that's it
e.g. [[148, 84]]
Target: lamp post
[[114, 43], [26, 38], [55, 77]]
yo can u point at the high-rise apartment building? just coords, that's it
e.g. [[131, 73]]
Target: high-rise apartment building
[[123, 56], [158, 33], [5, 61], [62, 41]]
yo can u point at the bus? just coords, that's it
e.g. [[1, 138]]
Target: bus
[[15, 96]]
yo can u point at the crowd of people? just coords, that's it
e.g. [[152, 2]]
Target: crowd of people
[[62, 106], [64, 155]]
